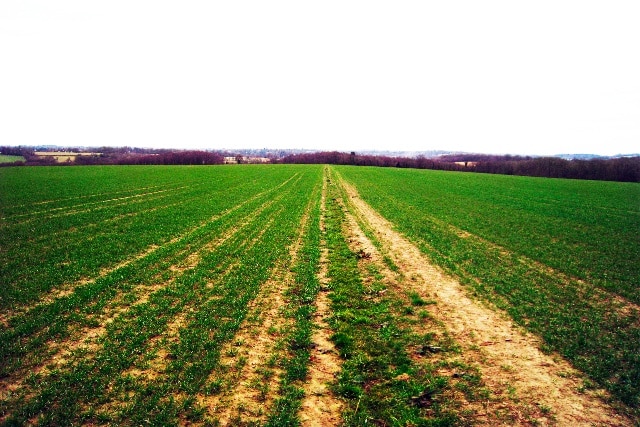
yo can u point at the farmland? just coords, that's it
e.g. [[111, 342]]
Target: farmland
[[10, 159], [280, 295], [561, 257]]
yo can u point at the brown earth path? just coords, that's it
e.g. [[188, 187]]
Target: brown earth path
[[508, 358]]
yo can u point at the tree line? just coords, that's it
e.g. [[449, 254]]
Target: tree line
[[121, 156], [624, 169]]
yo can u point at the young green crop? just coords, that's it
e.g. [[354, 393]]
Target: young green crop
[[300, 307], [210, 297], [121, 286], [68, 239]]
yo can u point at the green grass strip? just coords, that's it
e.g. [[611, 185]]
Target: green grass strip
[[373, 343]]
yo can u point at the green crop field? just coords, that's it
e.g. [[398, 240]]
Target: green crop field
[[264, 295], [560, 256]]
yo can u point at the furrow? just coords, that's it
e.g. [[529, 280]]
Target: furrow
[[180, 368], [215, 321], [86, 227], [588, 291], [87, 337], [152, 369], [71, 209], [89, 208], [85, 196]]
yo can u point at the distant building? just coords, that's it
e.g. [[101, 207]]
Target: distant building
[[229, 160], [257, 160]]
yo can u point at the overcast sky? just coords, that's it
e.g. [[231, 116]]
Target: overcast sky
[[535, 77]]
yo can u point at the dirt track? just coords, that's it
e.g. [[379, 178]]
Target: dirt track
[[524, 381]]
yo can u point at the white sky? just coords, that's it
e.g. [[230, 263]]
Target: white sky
[[535, 77]]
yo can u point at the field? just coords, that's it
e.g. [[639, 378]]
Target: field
[[10, 159], [316, 295]]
